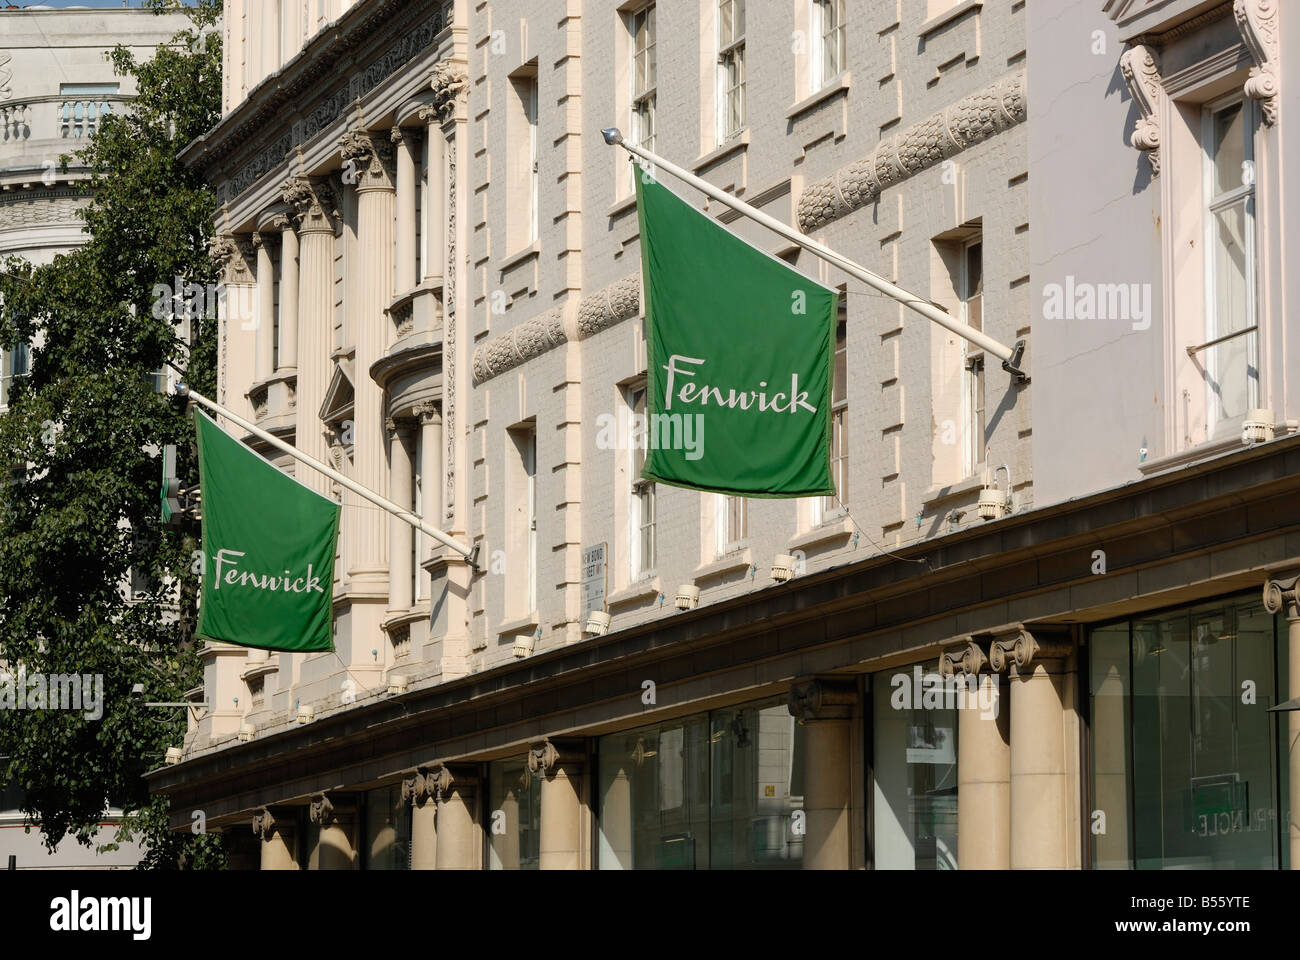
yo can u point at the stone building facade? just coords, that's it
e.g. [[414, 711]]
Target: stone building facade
[[433, 280]]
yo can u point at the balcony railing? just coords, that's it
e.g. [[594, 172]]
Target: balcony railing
[[56, 117]]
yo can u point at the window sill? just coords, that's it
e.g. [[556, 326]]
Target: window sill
[[620, 207], [647, 587], [740, 560], [835, 528], [1208, 450], [953, 491], [518, 257], [525, 624], [939, 21], [736, 144], [838, 85]]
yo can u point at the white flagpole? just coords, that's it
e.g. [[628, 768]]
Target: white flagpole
[[382, 502], [1010, 356]]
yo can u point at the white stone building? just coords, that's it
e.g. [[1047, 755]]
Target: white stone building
[[417, 198]]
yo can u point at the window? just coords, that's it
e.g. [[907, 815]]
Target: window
[[531, 114], [641, 26], [641, 515], [522, 160], [417, 541], [522, 522], [515, 799], [1231, 366], [387, 844], [731, 68], [828, 42], [731, 523], [971, 295], [824, 507], [14, 363]]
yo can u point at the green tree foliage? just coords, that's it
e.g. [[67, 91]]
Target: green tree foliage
[[79, 449]]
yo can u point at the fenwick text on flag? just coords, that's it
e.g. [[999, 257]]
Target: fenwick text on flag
[[741, 348], [268, 550]]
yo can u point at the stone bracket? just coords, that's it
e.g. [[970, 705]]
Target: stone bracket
[[1257, 22], [1140, 65]]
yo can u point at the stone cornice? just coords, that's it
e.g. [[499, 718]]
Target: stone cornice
[[540, 334], [303, 86], [969, 121]]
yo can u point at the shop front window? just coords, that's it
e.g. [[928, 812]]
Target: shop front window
[[1184, 753], [388, 830], [713, 791], [914, 770], [514, 828]]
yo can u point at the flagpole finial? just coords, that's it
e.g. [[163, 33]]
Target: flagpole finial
[[183, 390], [612, 136]]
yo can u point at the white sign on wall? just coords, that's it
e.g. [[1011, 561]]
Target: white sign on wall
[[593, 577]]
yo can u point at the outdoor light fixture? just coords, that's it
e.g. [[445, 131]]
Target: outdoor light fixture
[[994, 502], [1259, 427], [397, 685], [247, 731], [597, 623], [306, 713], [782, 567], [174, 755], [688, 596], [524, 645]]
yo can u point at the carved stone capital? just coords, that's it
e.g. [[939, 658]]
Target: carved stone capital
[[548, 755], [816, 699], [1140, 65], [438, 781], [416, 788], [1283, 594], [447, 81], [1257, 22], [263, 824], [321, 810], [427, 412], [1017, 645], [233, 256], [367, 161], [968, 659], [313, 202]]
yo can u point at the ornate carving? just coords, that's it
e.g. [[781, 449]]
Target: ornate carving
[[1141, 68], [427, 412], [451, 362], [534, 337], [371, 159], [970, 120], [447, 81], [416, 788], [313, 202], [6, 91], [1283, 595], [233, 256], [263, 824], [322, 809], [968, 659], [1017, 645], [817, 698], [438, 781], [542, 756], [1257, 21]]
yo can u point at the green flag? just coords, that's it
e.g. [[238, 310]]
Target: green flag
[[741, 348], [268, 550]]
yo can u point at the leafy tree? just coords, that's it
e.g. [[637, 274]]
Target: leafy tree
[[80, 449]]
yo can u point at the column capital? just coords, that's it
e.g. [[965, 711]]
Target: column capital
[[1283, 594], [233, 256], [1015, 644], [371, 160], [441, 778], [313, 202], [968, 659], [447, 80], [399, 427], [815, 699], [547, 755], [418, 787], [263, 824], [321, 810], [427, 413], [278, 222]]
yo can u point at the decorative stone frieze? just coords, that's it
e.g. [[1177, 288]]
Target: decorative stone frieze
[[970, 120], [1140, 65], [534, 337], [1257, 21]]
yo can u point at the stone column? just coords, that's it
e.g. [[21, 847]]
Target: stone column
[[1039, 823], [236, 324], [264, 367], [405, 146], [424, 822], [435, 200], [313, 203], [430, 470], [400, 533], [372, 287], [289, 281], [562, 766], [983, 761], [1284, 595], [336, 846], [459, 845], [279, 848], [825, 707]]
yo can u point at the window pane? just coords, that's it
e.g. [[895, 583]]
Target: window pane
[[515, 792], [388, 830], [1230, 365], [1228, 147], [1109, 688], [726, 23]]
